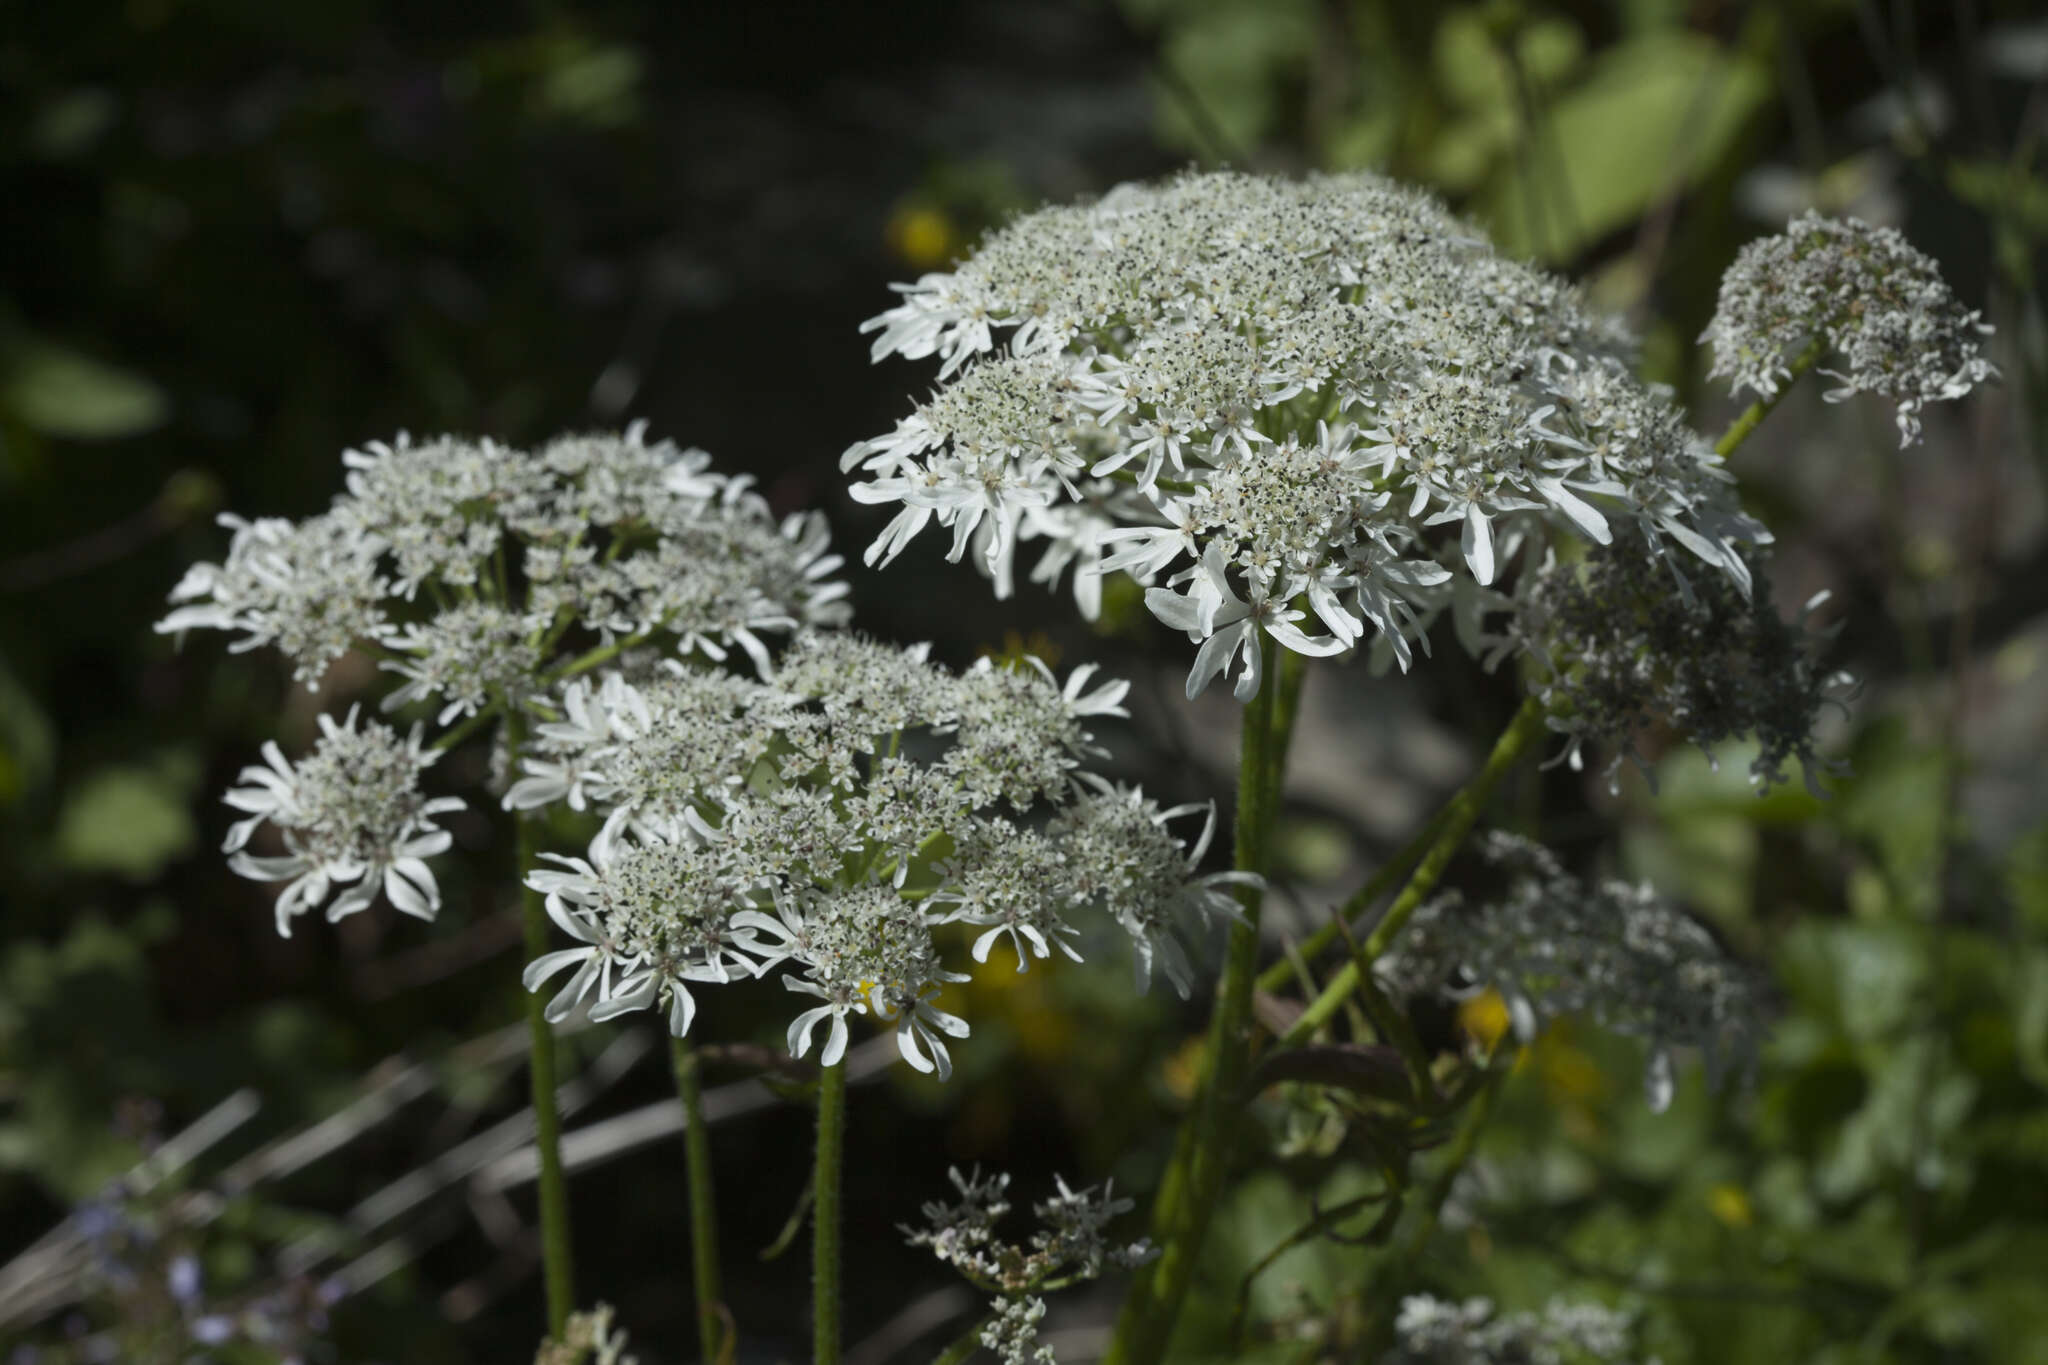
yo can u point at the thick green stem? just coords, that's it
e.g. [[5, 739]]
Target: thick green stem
[[703, 1206], [1459, 814], [1753, 416], [825, 1215], [554, 1185], [1194, 1178]]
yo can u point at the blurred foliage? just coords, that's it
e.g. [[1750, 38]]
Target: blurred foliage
[[244, 238]]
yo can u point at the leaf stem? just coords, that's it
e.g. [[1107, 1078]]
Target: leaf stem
[[711, 1320]]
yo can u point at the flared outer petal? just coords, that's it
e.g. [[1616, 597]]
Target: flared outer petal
[[682, 1008], [1476, 541], [571, 995], [410, 887], [548, 964], [355, 898], [628, 996]]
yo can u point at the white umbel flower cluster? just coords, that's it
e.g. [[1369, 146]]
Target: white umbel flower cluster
[[1891, 323], [353, 819], [481, 576], [1320, 411], [831, 821], [1434, 1331], [1070, 1247], [1616, 953], [469, 563]]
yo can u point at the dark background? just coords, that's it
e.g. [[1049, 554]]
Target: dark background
[[236, 239]]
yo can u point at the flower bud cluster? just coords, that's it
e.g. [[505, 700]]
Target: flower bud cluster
[[587, 1339], [1616, 653], [1316, 410], [832, 820], [1891, 323], [1553, 945], [1070, 1247], [1434, 1331]]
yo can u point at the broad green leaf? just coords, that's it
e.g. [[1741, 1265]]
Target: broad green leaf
[[129, 821]]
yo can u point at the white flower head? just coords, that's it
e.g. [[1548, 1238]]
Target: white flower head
[[353, 820], [1283, 397]]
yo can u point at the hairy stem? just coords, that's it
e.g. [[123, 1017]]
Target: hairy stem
[[1456, 822], [554, 1186], [825, 1215], [1753, 416], [1194, 1179], [689, 1069]]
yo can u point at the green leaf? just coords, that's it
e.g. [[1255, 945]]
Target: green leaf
[[61, 392], [129, 821], [1653, 115]]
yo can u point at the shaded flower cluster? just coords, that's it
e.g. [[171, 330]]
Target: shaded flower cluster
[[1619, 954], [1887, 318], [1071, 1246], [1434, 1331], [481, 575], [1615, 653], [831, 820], [469, 563], [1320, 411]]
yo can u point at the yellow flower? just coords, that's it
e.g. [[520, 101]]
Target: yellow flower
[[1484, 1017], [922, 235], [1730, 1204]]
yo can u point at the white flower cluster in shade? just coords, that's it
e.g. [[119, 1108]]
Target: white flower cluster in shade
[[1072, 1246], [1882, 309], [831, 820], [1619, 954], [1613, 655], [1433, 1331], [352, 817], [1320, 411], [468, 564], [480, 575]]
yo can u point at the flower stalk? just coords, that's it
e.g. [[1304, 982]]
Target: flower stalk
[[1188, 1192], [688, 1065], [1752, 416], [825, 1215], [557, 1267]]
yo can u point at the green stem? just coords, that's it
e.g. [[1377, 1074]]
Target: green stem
[[961, 1348], [825, 1216], [1194, 1178], [464, 729], [689, 1071], [1459, 813], [1753, 416], [1379, 884], [1410, 1250], [554, 1186]]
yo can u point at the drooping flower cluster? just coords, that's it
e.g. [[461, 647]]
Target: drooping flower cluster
[[1616, 953], [1616, 653], [1882, 309], [1070, 1247], [1434, 1331], [1322, 410], [480, 575], [831, 820]]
